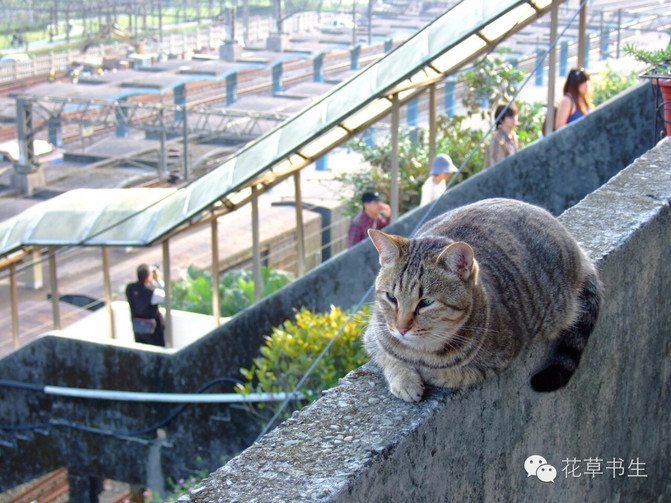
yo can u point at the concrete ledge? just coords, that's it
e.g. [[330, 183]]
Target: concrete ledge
[[358, 443]]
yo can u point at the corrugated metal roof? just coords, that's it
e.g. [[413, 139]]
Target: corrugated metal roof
[[135, 217]]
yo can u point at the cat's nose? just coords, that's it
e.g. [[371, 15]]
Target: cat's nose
[[403, 330]]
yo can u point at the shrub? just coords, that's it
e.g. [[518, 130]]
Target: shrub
[[291, 349], [610, 83], [193, 292]]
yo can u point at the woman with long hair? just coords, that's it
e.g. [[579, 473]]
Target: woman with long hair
[[576, 102], [504, 139]]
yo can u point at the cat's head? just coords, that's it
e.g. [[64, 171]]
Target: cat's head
[[424, 289]]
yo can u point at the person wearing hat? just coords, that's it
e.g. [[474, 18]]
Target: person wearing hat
[[433, 188], [375, 215]]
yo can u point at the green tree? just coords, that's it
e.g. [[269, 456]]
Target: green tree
[[492, 81], [610, 83]]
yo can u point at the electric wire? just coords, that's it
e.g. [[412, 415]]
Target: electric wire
[[101, 431]]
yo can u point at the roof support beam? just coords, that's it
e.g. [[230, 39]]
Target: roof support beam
[[168, 294], [432, 122], [216, 306], [300, 231], [14, 302], [256, 245], [107, 285], [582, 34], [394, 157], [53, 282], [552, 68]]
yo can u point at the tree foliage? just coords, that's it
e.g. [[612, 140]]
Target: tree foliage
[[193, 292]]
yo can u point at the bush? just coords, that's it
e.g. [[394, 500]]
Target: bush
[[610, 83], [292, 348], [193, 293]]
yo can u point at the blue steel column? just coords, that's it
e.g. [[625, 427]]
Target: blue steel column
[[563, 58], [318, 68], [354, 57], [277, 78], [121, 124], [450, 101], [179, 98], [231, 88]]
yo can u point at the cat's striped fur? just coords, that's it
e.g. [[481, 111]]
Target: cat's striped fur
[[456, 303]]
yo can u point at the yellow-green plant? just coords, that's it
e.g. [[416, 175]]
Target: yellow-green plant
[[291, 349]]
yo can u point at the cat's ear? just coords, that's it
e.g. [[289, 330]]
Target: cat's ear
[[458, 258], [388, 246]]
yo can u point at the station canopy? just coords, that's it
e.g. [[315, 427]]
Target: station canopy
[[144, 216]]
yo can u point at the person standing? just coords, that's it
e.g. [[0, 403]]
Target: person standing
[[504, 139], [576, 102], [374, 215], [441, 168], [144, 296]]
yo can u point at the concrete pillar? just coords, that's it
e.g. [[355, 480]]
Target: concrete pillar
[[33, 277], [388, 45]]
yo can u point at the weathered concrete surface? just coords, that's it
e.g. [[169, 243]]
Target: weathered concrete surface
[[555, 172], [360, 444]]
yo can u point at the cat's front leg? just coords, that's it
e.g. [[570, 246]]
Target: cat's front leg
[[452, 377], [404, 381]]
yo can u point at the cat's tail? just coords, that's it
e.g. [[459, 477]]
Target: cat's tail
[[571, 342]]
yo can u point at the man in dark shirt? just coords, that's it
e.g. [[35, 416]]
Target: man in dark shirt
[[143, 299], [375, 215]]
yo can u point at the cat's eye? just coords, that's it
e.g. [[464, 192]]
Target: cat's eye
[[391, 298], [425, 302]]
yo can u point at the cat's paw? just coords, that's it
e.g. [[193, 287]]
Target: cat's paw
[[408, 388]]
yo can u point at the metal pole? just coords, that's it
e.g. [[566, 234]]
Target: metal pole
[[432, 123], [53, 280], [619, 31], [14, 302], [300, 231], [552, 68], [162, 155], [185, 146], [256, 245], [582, 36], [168, 294], [394, 157], [216, 307], [108, 290]]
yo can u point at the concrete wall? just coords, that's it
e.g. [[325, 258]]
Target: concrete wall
[[360, 444], [556, 172]]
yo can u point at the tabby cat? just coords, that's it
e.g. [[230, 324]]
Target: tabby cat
[[456, 303]]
